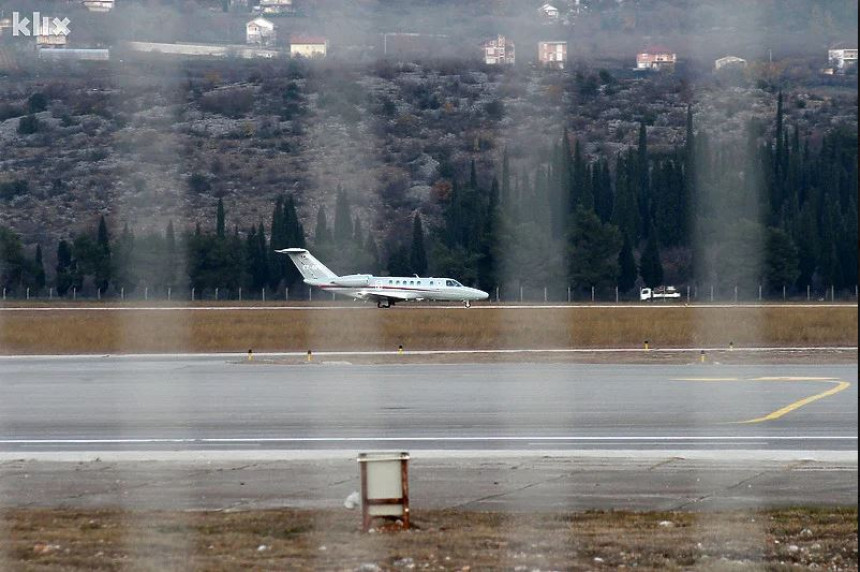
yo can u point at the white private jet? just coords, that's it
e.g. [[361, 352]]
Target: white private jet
[[387, 290]]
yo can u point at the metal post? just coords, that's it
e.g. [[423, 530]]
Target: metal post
[[216, 294], [146, 293], [122, 293], [264, 293], [832, 293], [521, 292], [4, 293], [286, 294], [568, 294], [783, 292], [169, 293], [28, 293], [192, 294], [497, 295], [688, 294], [712, 292], [736, 294], [617, 298], [310, 294], [240, 294], [808, 292], [592, 293], [544, 295], [50, 293], [696, 291], [74, 293], [759, 292], [98, 293]]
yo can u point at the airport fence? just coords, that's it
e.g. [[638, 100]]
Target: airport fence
[[507, 294]]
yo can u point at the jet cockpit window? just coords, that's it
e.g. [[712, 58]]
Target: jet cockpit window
[[451, 283]]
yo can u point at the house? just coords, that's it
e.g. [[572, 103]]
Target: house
[[275, 7], [260, 32], [842, 58], [549, 13], [657, 59], [730, 62], [308, 46], [552, 54], [99, 5], [500, 51]]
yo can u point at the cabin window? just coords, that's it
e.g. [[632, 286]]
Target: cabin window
[[450, 283]]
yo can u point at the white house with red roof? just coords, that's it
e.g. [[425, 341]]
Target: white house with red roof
[[308, 46], [656, 58]]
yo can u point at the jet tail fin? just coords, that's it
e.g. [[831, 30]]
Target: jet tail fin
[[311, 268]]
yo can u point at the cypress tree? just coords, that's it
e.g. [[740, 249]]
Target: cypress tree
[[220, 220], [39, 278], [627, 267], [643, 185], [65, 268], [172, 261], [418, 254], [650, 268], [343, 230], [103, 258], [322, 236]]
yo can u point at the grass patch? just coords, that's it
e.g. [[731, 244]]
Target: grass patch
[[443, 540], [232, 330]]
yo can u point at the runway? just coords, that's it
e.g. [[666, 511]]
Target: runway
[[207, 403]]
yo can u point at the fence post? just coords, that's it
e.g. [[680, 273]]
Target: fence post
[[50, 293], [592, 293], [736, 293], [497, 295], [521, 293], [98, 293], [28, 293], [832, 293], [712, 292], [74, 293], [568, 294], [544, 295], [146, 293], [783, 292], [192, 294], [617, 298], [264, 293], [759, 292], [808, 293], [4, 293], [240, 293], [122, 293], [310, 294], [688, 293], [286, 294], [169, 293]]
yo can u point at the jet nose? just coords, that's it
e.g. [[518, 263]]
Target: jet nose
[[480, 294]]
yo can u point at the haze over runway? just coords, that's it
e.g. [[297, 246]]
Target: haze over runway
[[205, 403]]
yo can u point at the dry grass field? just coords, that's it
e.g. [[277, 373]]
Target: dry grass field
[[91, 330], [782, 539]]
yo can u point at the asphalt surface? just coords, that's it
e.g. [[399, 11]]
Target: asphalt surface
[[218, 433], [206, 403]]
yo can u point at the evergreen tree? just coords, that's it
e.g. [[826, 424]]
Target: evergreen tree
[[781, 260], [103, 263], [627, 267], [643, 185], [39, 279], [650, 267], [594, 250], [220, 220], [322, 236], [171, 266], [418, 253], [343, 231], [65, 268]]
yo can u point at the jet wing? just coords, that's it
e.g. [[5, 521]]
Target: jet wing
[[377, 294]]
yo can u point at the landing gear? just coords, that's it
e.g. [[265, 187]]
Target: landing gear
[[467, 304], [388, 304]]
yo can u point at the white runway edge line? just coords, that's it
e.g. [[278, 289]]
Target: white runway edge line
[[318, 354], [655, 306], [512, 439]]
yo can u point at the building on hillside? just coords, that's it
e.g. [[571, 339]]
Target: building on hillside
[[552, 54], [260, 32], [99, 5], [274, 7], [656, 59], [308, 46], [730, 62], [499, 51], [549, 13], [842, 58], [5, 24]]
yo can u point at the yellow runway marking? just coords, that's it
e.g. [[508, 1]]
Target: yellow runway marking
[[839, 386]]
